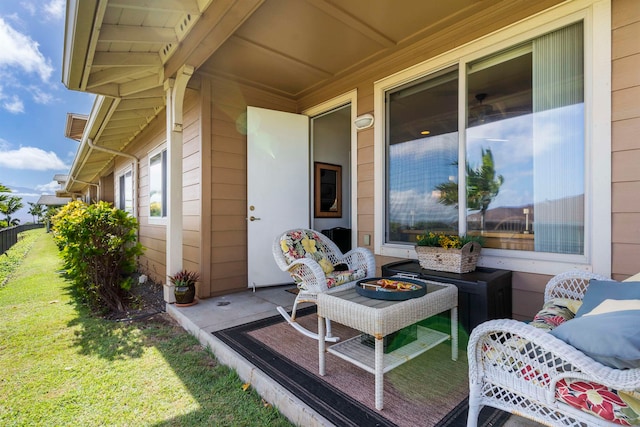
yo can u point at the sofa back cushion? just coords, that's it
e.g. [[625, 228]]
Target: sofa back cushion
[[601, 290], [612, 339], [606, 325]]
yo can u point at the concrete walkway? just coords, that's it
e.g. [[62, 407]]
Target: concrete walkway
[[214, 314]]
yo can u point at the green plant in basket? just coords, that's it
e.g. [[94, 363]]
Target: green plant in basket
[[447, 241]]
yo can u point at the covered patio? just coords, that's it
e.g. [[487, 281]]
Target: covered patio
[[176, 81], [219, 313]]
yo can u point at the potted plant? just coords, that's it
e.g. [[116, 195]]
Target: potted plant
[[185, 286], [448, 252]]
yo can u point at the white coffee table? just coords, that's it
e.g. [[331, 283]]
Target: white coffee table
[[380, 318]]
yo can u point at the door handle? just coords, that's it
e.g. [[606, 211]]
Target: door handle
[[253, 218]]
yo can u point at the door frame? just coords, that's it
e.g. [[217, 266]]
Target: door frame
[[351, 98]]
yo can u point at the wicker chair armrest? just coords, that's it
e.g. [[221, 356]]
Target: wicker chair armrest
[[360, 258], [309, 272], [571, 284], [537, 357]]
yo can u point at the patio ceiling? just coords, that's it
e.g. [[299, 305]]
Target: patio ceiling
[[125, 49]]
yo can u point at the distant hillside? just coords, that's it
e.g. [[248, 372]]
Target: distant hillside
[[513, 218]]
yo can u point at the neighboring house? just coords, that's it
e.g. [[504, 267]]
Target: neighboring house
[[61, 197], [50, 200], [550, 87]]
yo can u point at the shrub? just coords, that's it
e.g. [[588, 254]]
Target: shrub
[[99, 247]]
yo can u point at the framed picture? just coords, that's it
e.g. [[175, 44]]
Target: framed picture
[[327, 190]]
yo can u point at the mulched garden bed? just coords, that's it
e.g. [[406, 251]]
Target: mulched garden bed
[[146, 301]]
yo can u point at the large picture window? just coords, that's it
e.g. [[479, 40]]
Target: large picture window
[[528, 165], [523, 180], [158, 185]]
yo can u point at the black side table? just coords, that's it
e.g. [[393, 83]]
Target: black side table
[[483, 294]]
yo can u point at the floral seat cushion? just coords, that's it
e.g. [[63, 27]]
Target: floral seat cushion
[[337, 278], [618, 407]]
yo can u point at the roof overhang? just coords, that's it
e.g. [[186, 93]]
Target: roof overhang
[[81, 16], [75, 125], [49, 200], [124, 50]]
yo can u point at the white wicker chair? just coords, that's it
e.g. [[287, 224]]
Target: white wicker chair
[[497, 377], [311, 278]]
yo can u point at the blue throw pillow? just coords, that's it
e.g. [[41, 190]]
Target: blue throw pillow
[[612, 339], [600, 290]]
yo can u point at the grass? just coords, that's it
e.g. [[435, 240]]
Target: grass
[[11, 259], [61, 366]]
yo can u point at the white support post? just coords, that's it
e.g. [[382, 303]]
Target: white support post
[[175, 89]]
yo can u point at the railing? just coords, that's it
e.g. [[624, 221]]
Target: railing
[[9, 236]]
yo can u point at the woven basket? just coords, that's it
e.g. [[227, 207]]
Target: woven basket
[[461, 260]]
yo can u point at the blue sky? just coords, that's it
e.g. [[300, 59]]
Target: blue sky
[[33, 101]]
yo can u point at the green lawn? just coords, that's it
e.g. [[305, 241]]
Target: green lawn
[[61, 366]]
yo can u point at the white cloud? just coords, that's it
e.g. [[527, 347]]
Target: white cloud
[[15, 18], [31, 158], [14, 105], [55, 9], [30, 7], [52, 10], [40, 96], [22, 52], [49, 188], [23, 194]]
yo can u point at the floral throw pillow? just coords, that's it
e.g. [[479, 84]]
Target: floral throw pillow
[[553, 313]]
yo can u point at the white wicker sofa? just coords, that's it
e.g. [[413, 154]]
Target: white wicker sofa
[[526, 370]]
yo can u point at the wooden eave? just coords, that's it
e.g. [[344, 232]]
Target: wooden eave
[[126, 49], [75, 125]]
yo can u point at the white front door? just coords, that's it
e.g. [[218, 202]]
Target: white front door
[[277, 187]]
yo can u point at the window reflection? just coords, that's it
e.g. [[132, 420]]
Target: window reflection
[[528, 113], [417, 163], [157, 185], [524, 164]]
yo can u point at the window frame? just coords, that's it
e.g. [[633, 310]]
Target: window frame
[[596, 15], [162, 220], [119, 190]]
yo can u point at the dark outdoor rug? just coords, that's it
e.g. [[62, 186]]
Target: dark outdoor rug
[[430, 390]]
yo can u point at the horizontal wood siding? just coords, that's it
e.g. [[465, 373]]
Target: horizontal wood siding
[[528, 288], [229, 101], [153, 236], [191, 206], [224, 152], [625, 128]]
